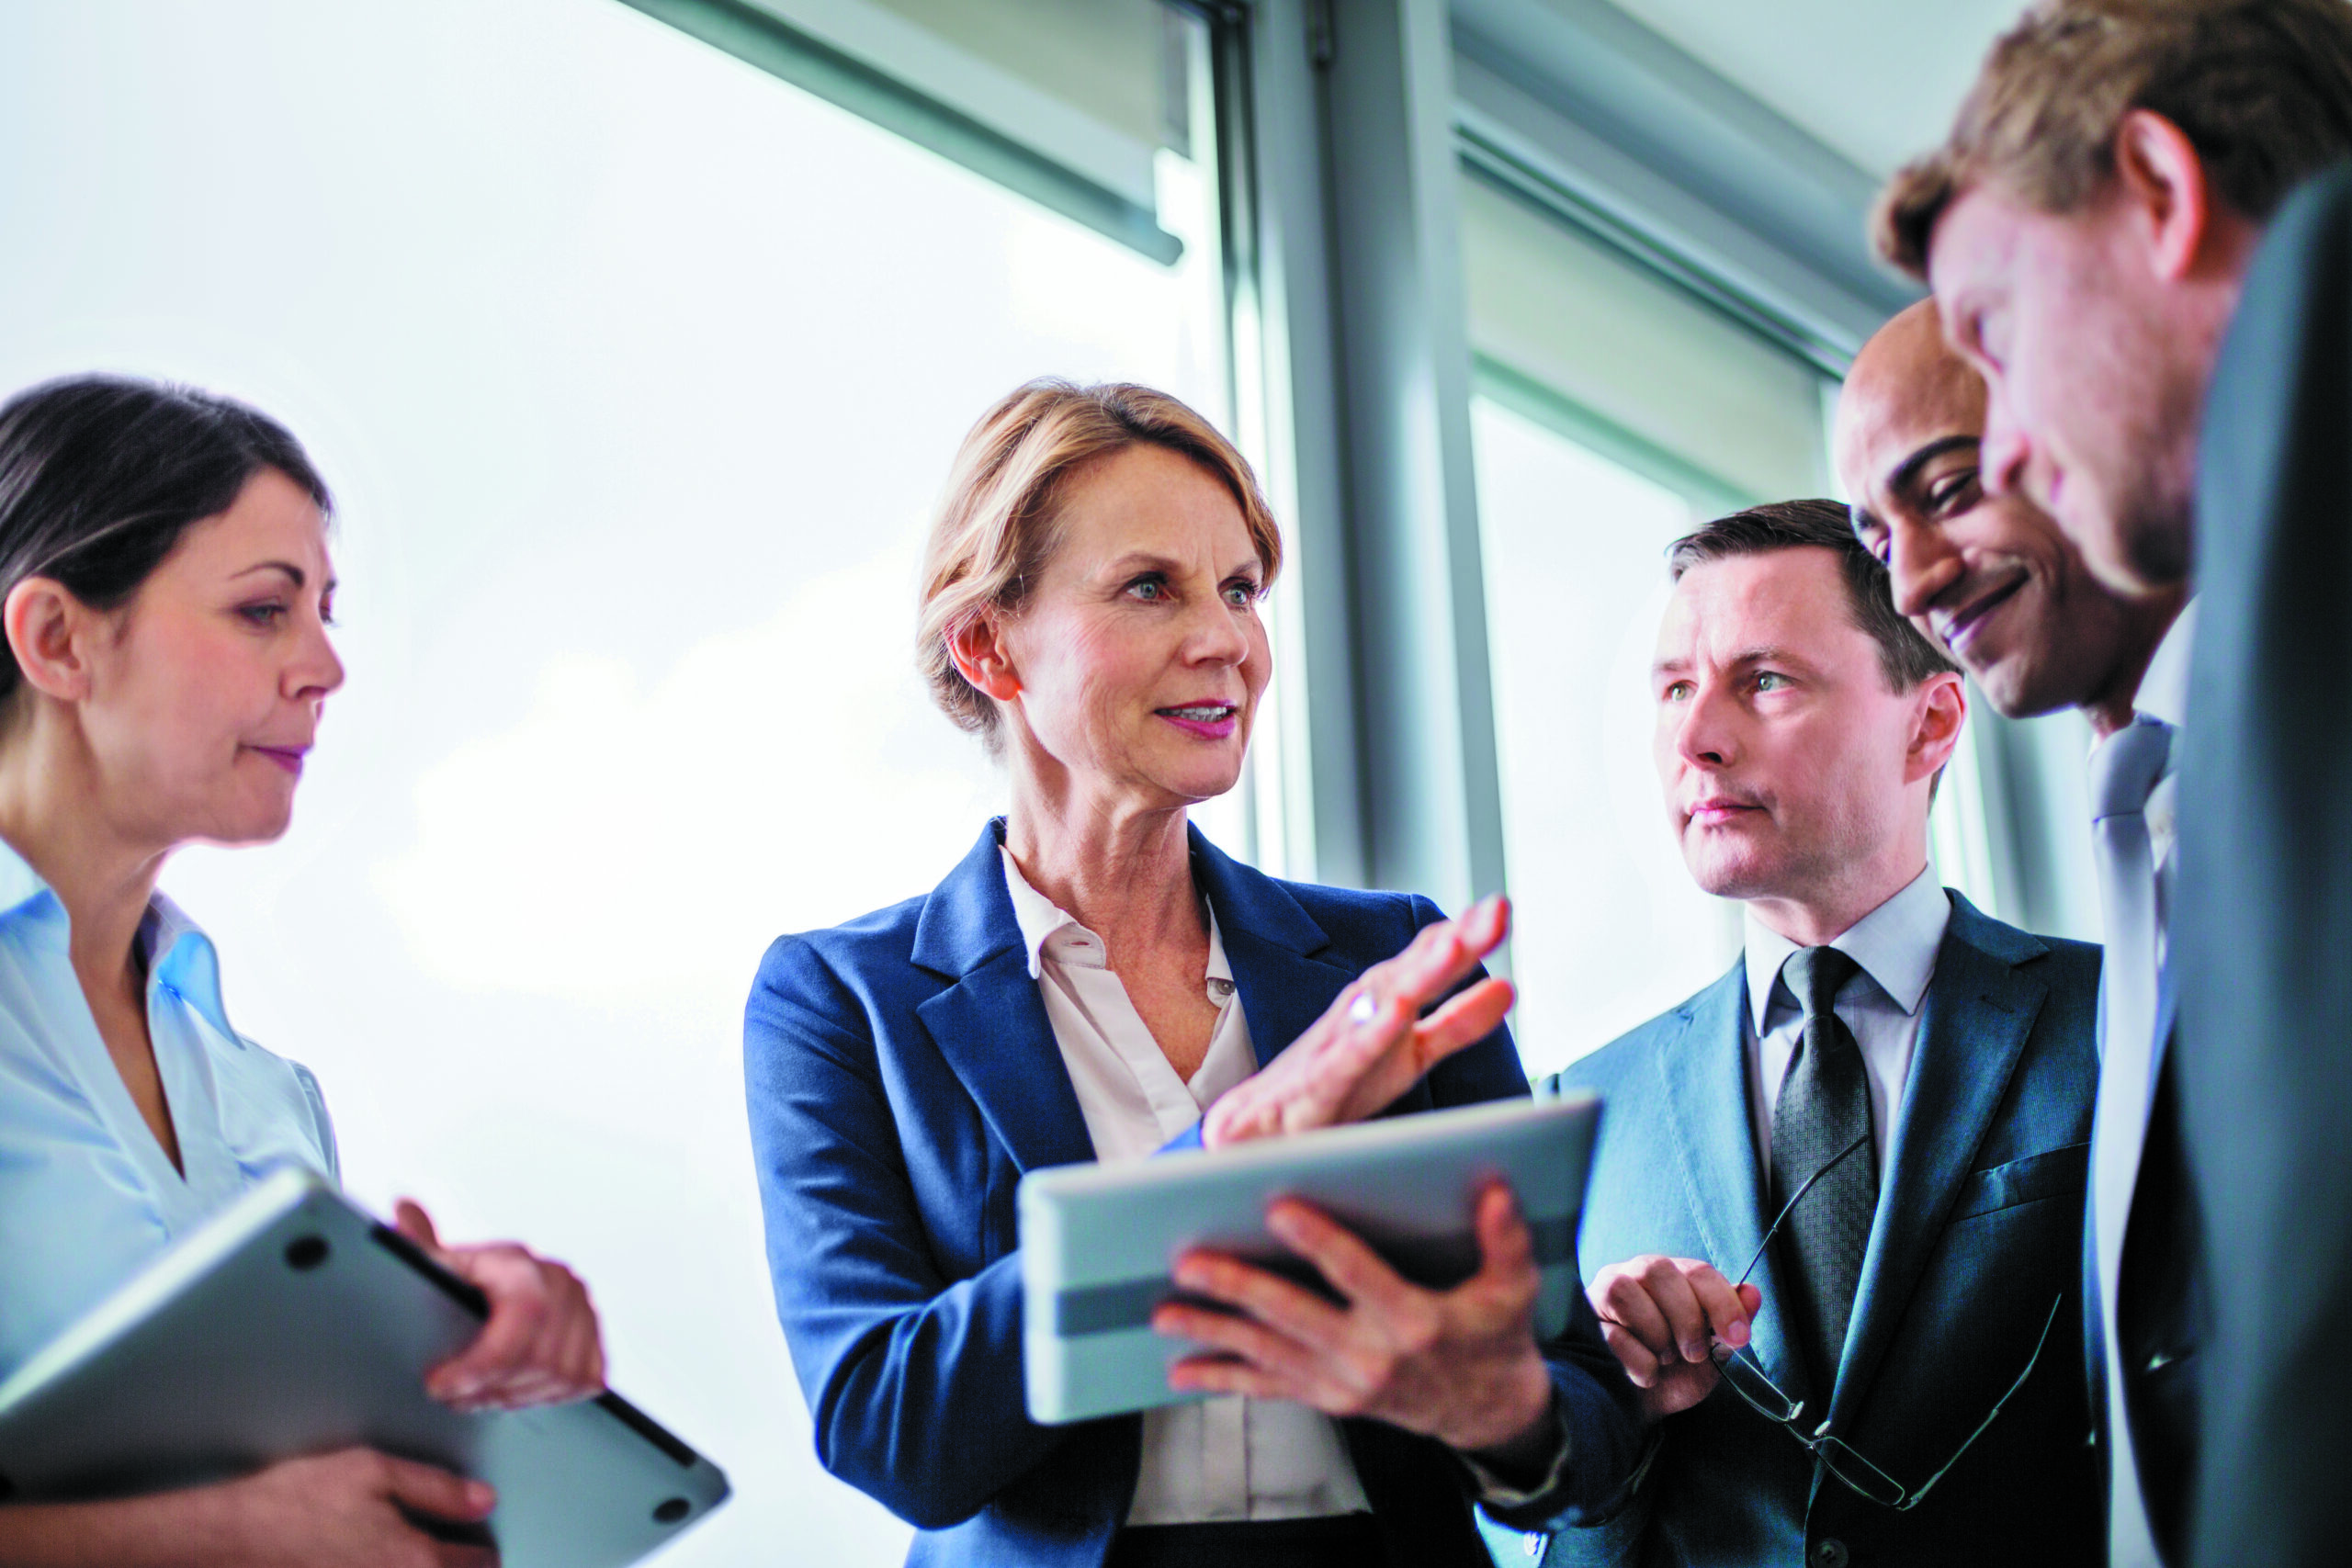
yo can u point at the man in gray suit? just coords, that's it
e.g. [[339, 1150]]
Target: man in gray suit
[[1839, 1193], [2113, 203], [1993, 581]]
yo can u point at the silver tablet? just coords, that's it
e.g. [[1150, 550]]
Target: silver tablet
[[1097, 1242], [293, 1324]]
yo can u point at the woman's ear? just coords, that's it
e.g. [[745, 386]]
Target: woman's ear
[[46, 628], [982, 658]]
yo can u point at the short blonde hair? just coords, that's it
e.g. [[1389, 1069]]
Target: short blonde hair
[[2261, 88], [998, 524]]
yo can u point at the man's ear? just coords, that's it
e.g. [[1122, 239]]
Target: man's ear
[[1943, 708], [2161, 179], [981, 658], [48, 631]]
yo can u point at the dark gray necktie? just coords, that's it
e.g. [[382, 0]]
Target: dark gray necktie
[[1821, 1134]]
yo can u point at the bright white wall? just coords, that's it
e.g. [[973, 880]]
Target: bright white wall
[[636, 372]]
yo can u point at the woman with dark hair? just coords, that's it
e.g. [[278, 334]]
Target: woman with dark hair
[[164, 599]]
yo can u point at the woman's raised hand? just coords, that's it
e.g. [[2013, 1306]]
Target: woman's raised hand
[[541, 1344], [1371, 1044]]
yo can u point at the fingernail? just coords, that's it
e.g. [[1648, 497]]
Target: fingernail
[[479, 1496]]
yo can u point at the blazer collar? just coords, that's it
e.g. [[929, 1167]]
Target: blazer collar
[[1704, 1073], [1274, 946], [1979, 1011], [968, 918], [990, 1022]]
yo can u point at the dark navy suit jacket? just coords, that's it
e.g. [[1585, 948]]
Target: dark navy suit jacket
[[2262, 934], [902, 1076], [1978, 1234]]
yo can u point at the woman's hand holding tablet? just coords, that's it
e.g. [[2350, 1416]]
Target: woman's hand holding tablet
[[541, 1344], [1459, 1365]]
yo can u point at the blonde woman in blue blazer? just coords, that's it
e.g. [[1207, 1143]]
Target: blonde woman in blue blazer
[[1097, 981]]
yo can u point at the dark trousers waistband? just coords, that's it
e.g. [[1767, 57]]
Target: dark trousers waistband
[[1336, 1541]]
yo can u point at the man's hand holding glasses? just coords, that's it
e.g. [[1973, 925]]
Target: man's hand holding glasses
[[1676, 1325], [1666, 1319]]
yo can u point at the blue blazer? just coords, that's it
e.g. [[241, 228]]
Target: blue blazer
[[902, 1076], [1978, 1233]]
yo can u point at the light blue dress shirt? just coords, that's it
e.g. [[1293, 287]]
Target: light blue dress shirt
[[87, 1196]]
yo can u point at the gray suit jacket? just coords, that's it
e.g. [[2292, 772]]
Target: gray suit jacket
[[2263, 935], [1978, 1234]]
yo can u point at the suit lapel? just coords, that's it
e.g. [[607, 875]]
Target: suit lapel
[[1973, 1023], [1704, 1071], [991, 1023], [1268, 941]]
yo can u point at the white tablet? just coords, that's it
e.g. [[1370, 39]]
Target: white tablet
[[294, 1324], [1098, 1241]]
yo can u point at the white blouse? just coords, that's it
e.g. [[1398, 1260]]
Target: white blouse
[[1223, 1458]]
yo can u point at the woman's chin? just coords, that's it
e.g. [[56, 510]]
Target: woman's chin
[[251, 824], [1198, 788]]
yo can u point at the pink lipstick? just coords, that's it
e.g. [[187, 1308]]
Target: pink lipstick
[[1210, 721]]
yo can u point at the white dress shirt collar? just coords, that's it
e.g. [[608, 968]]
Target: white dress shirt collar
[[1044, 923], [2164, 689], [1895, 944]]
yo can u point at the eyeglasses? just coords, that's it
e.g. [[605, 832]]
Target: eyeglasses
[[1747, 1379]]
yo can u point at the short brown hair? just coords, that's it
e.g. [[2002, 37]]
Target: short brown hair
[[2261, 88], [996, 527], [1904, 655]]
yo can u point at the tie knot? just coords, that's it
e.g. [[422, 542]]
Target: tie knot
[[1816, 976], [2127, 765]]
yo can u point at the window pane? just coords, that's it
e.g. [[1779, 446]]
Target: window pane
[[1609, 929], [1675, 386], [636, 373]]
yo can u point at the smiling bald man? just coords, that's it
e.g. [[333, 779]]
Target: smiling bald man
[[1989, 578], [1993, 581]]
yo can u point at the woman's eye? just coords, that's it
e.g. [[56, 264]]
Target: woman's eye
[[1241, 595], [263, 614], [1150, 590]]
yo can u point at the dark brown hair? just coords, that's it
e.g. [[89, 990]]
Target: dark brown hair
[[2261, 88], [100, 476], [1905, 656]]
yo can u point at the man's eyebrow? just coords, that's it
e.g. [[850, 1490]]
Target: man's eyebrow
[[1902, 478]]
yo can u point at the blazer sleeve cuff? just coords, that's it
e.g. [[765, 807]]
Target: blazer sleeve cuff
[[1498, 1494]]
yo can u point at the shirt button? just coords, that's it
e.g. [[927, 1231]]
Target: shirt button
[[1830, 1553], [1533, 1543]]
